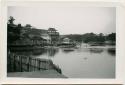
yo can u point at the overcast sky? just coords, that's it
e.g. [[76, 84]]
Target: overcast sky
[[67, 20]]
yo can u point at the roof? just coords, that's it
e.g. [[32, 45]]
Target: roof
[[52, 29], [66, 38]]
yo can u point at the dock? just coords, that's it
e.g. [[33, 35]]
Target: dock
[[26, 66]]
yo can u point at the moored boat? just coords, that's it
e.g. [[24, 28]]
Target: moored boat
[[68, 49]]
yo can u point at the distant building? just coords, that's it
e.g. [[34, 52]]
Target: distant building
[[38, 41], [50, 36], [54, 35], [66, 40], [34, 36]]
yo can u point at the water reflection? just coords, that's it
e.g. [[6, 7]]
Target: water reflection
[[111, 51], [52, 51], [39, 51], [26, 53]]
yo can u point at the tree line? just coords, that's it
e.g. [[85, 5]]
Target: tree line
[[14, 33], [92, 37]]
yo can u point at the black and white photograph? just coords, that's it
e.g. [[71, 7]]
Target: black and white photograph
[[61, 41]]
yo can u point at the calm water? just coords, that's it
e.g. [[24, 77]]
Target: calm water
[[83, 62]]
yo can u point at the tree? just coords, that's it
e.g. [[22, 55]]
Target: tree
[[11, 20], [89, 37], [101, 37], [111, 37], [13, 31], [28, 26]]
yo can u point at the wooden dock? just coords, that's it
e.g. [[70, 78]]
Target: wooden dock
[[19, 63]]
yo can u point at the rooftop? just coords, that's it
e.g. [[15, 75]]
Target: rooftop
[[52, 29]]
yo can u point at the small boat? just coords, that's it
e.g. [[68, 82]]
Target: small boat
[[96, 44], [68, 49], [67, 45]]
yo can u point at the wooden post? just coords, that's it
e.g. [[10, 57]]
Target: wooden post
[[29, 63], [21, 63], [39, 64], [9, 62], [36, 64], [14, 64], [33, 64]]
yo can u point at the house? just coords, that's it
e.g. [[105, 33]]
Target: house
[[40, 36], [66, 40], [38, 41], [54, 36]]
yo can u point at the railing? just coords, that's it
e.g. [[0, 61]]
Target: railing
[[17, 63]]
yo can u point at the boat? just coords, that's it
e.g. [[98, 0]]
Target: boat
[[96, 44], [68, 49]]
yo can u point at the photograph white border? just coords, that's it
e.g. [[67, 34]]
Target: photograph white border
[[120, 46]]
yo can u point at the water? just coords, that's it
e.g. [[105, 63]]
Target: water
[[82, 62]]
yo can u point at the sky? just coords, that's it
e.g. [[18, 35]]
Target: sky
[[67, 20]]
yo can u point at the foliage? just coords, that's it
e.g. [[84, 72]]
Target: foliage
[[13, 31], [92, 37], [17, 32], [111, 37], [11, 20]]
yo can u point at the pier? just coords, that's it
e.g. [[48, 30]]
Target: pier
[[26, 66]]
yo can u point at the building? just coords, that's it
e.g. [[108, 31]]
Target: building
[[44, 35], [66, 40], [54, 36], [38, 41]]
